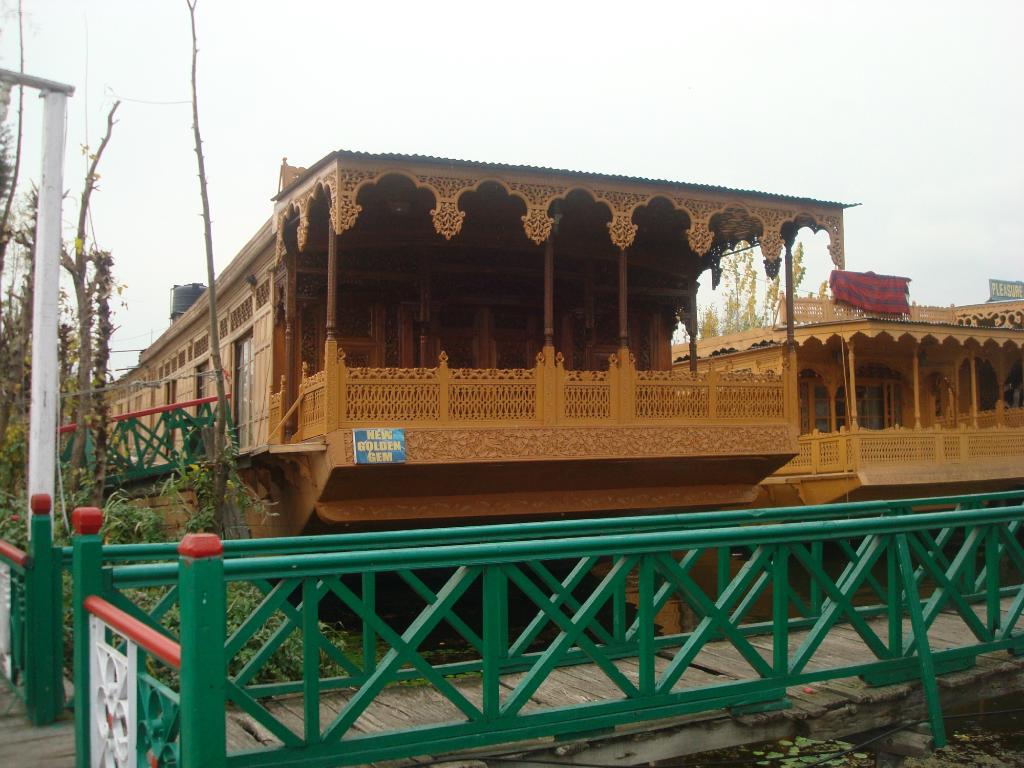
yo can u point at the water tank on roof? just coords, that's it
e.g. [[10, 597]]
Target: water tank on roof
[[183, 297]]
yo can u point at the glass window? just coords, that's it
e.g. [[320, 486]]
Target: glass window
[[243, 409], [202, 374], [822, 422], [814, 405]]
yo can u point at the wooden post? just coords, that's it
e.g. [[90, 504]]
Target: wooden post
[[790, 367], [291, 385], [1002, 377], [588, 314], [790, 338], [693, 326], [974, 390], [917, 387], [851, 390], [443, 384], [332, 283], [550, 373], [424, 309], [832, 409], [623, 302], [549, 291]]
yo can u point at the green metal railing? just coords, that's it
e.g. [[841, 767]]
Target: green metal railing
[[141, 451], [31, 636], [30, 617], [594, 590]]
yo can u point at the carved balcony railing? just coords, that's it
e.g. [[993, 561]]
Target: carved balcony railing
[[545, 395], [846, 451], [1011, 417], [1001, 314], [823, 310]]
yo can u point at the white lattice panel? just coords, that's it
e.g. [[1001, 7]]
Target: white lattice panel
[[6, 594], [112, 678]]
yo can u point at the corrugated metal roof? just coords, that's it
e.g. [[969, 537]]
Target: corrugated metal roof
[[399, 157]]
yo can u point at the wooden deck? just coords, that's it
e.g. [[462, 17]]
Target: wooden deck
[[51, 746], [821, 710]]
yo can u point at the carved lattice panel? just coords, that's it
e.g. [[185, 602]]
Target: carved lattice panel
[[995, 446], [669, 400], [828, 453], [312, 410], [506, 401], [951, 447], [586, 395], [241, 314], [803, 458], [392, 400], [263, 294], [737, 401], [897, 449]]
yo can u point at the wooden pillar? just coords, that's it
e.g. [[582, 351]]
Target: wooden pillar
[[424, 317], [549, 291], [832, 408], [332, 283], [623, 301], [693, 327], [588, 314], [1002, 378], [974, 390], [917, 386], [851, 389], [953, 412], [290, 362], [790, 338]]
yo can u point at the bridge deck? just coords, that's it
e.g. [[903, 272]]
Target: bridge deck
[[825, 710]]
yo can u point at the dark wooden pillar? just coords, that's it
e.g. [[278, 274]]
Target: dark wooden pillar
[[588, 314], [790, 339], [332, 283], [290, 362], [692, 330], [549, 291], [623, 301], [424, 317]]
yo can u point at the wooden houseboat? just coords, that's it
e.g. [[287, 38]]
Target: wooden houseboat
[[511, 325], [937, 410]]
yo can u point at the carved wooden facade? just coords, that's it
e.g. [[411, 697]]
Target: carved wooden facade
[[518, 320], [940, 398]]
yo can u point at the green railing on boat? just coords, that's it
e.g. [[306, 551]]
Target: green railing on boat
[[142, 451], [594, 589]]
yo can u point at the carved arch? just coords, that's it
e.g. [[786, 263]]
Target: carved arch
[[832, 223], [280, 247]]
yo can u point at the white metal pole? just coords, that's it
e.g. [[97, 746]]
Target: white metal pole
[[42, 443]]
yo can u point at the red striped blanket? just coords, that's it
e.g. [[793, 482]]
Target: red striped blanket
[[885, 294]]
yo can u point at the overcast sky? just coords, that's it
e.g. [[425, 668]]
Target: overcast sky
[[912, 109]]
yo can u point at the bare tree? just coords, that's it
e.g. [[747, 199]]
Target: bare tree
[[227, 516], [12, 182], [104, 281], [85, 285]]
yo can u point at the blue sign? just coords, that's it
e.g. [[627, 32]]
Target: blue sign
[[379, 445]]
